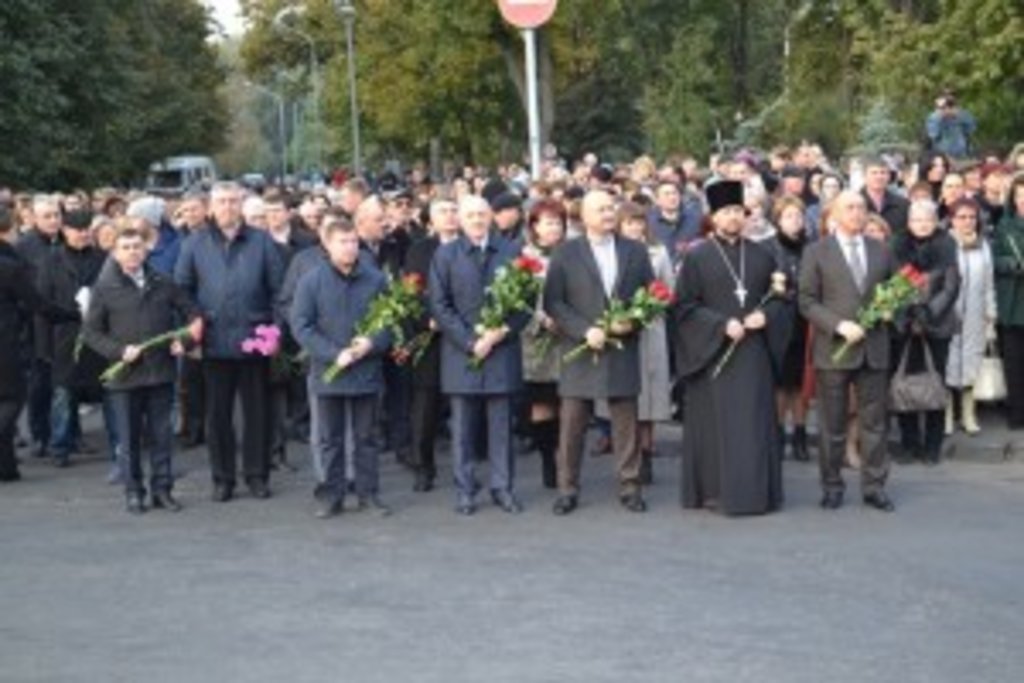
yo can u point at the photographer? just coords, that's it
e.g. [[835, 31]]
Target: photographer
[[950, 128]]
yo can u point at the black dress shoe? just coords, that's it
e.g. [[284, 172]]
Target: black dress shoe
[[329, 508], [879, 501], [258, 489], [163, 500], [13, 475], [222, 493], [633, 502], [564, 505], [465, 507], [507, 501], [832, 500], [62, 462], [424, 482], [134, 505]]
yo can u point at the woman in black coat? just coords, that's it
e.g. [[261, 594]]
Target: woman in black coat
[[930, 323]]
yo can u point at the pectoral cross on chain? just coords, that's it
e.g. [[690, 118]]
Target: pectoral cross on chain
[[741, 294]]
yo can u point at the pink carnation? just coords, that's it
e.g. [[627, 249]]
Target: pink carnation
[[248, 346]]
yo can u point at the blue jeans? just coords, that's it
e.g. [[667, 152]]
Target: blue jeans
[[148, 408], [110, 423], [65, 429], [40, 399]]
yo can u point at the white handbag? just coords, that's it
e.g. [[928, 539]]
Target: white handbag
[[990, 386]]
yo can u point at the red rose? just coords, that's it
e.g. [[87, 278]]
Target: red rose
[[529, 264], [414, 281], [660, 291]]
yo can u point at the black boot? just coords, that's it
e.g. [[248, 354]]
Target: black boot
[[545, 437], [800, 444]]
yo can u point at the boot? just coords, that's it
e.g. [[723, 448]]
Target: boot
[[646, 467], [970, 416], [950, 419], [546, 439], [800, 453]]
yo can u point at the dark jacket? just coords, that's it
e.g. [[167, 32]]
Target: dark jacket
[[828, 295], [164, 255], [936, 256], [34, 248], [1008, 254], [427, 373], [895, 210], [675, 235], [458, 284], [235, 285], [389, 255], [19, 301], [574, 296], [327, 308], [122, 314], [67, 272]]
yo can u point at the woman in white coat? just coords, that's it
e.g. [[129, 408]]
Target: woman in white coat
[[976, 308]]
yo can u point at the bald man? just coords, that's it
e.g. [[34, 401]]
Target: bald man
[[838, 276], [585, 274]]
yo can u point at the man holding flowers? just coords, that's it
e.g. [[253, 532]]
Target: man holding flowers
[[587, 277], [840, 276], [481, 356]]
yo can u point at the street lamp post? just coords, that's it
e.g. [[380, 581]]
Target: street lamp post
[[348, 15], [314, 75], [282, 135]]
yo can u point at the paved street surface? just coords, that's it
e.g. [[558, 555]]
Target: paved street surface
[[261, 591]]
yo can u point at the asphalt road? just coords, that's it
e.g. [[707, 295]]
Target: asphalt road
[[262, 591]]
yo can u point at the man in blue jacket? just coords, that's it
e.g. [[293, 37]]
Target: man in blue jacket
[[233, 273], [330, 302], [481, 398]]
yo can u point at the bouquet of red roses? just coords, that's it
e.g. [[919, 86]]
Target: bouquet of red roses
[[899, 291], [514, 290], [646, 306], [400, 303]]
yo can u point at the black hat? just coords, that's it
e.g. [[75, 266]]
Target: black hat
[[492, 189], [79, 220], [506, 200], [725, 193]]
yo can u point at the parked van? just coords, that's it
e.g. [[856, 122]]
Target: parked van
[[176, 175]]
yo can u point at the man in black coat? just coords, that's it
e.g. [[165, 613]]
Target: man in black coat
[[131, 303], [838, 276], [585, 274], [880, 199], [35, 247], [67, 279], [427, 399], [19, 300]]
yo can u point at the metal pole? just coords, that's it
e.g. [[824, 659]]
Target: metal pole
[[314, 73], [532, 103], [282, 133], [357, 155]]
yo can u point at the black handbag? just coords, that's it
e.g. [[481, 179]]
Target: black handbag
[[921, 391]]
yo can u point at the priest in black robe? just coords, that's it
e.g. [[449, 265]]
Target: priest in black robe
[[732, 454]]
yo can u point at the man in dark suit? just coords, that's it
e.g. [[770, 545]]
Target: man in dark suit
[[460, 274], [585, 274], [838, 276], [882, 200]]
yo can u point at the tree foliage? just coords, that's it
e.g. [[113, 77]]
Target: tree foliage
[[92, 92]]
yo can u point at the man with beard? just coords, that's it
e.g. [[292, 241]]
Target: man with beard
[[727, 322]]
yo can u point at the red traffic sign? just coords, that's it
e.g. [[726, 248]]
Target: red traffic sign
[[526, 14]]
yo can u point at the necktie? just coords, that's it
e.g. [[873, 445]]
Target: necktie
[[857, 264]]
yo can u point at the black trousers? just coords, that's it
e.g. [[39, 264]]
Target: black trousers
[[1011, 342], [335, 415], [872, 408], [911, 437], [40, 400], [427, 403], [248, 380], [193, 408], [138, 412], [10, 408]]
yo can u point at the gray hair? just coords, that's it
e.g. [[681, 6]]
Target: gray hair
[[930, 208], [225, 187], [40, 201]]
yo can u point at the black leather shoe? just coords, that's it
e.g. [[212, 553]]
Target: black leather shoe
[[832, 500], [13, 475], [879, 501], [222, 493], [564, 505], [165, 501], [507, 501], [633, 502], [329, 508], [375, 504], [134, 505], [258, 489]]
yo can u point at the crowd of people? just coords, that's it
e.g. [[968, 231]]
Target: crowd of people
[[232, 303]]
